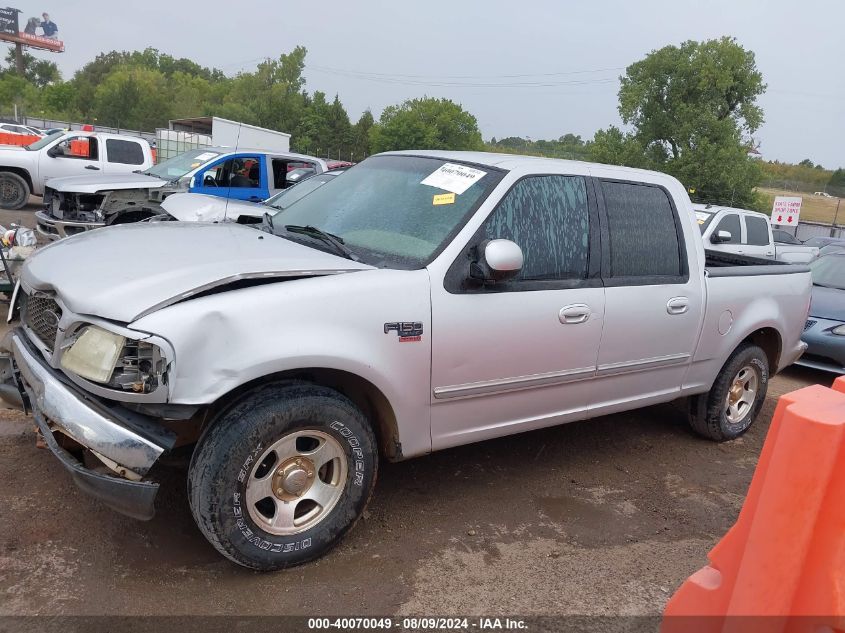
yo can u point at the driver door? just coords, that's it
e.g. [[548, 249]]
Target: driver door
[[214, 179], [73, 156], [514, 356]]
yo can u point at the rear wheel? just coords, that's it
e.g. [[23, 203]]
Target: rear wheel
[[14, 192], [732, 404], [279, 478]]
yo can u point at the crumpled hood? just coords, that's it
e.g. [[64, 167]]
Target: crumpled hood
[[828, 303], [198, 207], [125, 271], [104, 182]]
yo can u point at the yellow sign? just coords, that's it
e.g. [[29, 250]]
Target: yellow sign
[[444, 198]]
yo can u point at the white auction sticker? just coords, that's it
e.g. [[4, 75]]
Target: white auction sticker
[[454, 178], [206, 156], [702, 216]]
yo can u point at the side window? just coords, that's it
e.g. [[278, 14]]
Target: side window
[[757, 230], [643, 233], [84, 147], [730, 223], [548, 216], [124, 152], [217, 175], [246, 172]]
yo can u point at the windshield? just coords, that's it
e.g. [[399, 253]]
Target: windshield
[[703, 218], [394, 211], [283, 200], [46, 140], [176, 167], [829, 271]]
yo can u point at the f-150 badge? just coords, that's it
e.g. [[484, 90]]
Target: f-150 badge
[[407, 331]]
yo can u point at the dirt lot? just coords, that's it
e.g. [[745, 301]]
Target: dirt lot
[[601, 517]]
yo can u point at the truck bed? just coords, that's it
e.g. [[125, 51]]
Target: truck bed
[[718, 264]]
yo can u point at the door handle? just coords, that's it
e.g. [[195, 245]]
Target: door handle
[[575, 313], [92, 167], [677, 305]]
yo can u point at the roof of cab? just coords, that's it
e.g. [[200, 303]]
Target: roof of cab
[[515, 161]]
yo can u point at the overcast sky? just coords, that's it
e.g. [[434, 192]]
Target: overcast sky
[[375, 53]]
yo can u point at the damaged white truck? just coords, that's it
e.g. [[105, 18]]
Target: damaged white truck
[[423, 300]]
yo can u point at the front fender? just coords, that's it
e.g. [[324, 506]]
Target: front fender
[[226, 340]]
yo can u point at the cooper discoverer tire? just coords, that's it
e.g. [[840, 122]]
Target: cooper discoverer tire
[[733, 402], [14, 192], [278, 478]]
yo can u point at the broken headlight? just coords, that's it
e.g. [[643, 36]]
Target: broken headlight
[[94, 354], [115, 361]]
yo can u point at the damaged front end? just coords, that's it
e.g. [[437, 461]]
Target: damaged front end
[[109, 447], [68, 213]]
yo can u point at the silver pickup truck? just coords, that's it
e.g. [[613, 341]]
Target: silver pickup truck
[[424, 300]]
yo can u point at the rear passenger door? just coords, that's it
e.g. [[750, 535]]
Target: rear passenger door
[[653, 304], [757, 240]]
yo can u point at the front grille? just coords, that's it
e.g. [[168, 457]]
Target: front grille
[[41, 314], [810, 323]]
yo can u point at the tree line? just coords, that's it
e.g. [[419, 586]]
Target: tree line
[[690, 110]]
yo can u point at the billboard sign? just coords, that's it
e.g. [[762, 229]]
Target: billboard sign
[[9, 21], [786, 210], [37, 32]]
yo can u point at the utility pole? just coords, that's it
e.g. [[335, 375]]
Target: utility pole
[[19, 59]]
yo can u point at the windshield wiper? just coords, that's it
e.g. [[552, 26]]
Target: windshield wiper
[[328, 238]]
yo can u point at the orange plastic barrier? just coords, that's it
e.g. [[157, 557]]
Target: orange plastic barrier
[[80, 147], [783, 562], [17, 139]]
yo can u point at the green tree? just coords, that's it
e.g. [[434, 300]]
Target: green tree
[[806, 163], [692, 109], [361, 136], [133, 98], [39, 72], [426, 123]]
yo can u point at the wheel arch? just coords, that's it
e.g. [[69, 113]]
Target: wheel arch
[[23, 173], [770, 341], [363, 393]]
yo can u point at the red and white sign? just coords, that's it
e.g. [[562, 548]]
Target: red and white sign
[[786, 210]]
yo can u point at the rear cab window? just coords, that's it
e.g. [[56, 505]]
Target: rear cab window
[[124, 152], [644, 242]]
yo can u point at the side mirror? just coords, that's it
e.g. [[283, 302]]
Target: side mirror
[[720, 237], [497, 261], [55, 151]]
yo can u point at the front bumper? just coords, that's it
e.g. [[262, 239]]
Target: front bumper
[[130, 444], [55, 229], [825, 351]]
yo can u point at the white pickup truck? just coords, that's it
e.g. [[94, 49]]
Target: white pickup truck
[[24, 170], [744, 232], [420, 301]]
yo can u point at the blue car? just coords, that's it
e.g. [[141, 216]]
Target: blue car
[[81, 203], [824, 331]]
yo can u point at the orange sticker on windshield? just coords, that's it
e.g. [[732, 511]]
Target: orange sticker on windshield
[[443, 198]]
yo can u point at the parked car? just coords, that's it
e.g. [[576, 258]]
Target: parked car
[[824, 331], [196, 207], [76, 205], [25, 170], [20, 130], [420, 301], [820, 242], [745, 232], [783, 237], [823, 194]]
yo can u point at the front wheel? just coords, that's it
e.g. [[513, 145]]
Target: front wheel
[[14, 192], [732, 404], [280, 477]]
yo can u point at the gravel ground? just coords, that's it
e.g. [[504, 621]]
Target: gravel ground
[[603, 517]]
